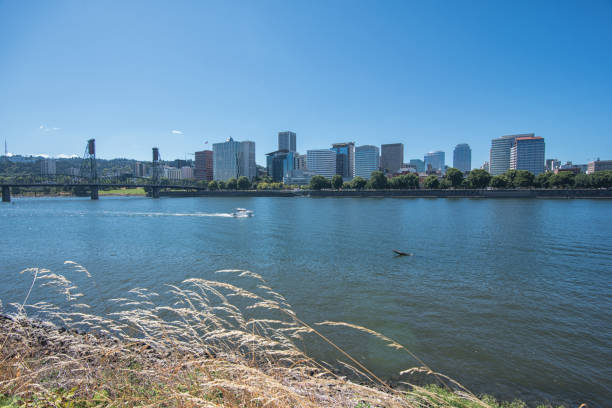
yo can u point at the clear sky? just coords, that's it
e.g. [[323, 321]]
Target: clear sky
[[430, 74]]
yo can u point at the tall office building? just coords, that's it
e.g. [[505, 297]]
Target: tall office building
[[418, 164], [232, 159], [279, 164], [300, 161], [140, 169], [391, 157], [286, 141], [462, 157], [186, 173], [345, 159], [499, 156], [527, 153], [321, 162], [203, 165], [367, 160], [47, 167], [434, 161]]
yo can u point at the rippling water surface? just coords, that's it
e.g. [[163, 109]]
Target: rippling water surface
[[510, 297]]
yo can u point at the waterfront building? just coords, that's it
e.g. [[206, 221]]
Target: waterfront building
[[434, 161], [599, 165], [286, 141], [140, 169], [418, 164], [279, 163], [261, 171], [391, 157], [232, 159], [568, 167], [345, 159], [485, 166], [297, 177], [321, 162], [73, 171], [203, 165], [527, 153], [499, 155], [552, 164], [367, 160], [172, 173], [462, 157], [300, 161], [47, 167], [186, 173]]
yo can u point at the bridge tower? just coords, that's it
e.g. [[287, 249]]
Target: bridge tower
[[157, 172], [89, 166], [6, 194]]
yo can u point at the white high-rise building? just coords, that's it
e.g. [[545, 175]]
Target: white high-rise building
[[321, 162], [499, 157], [172, 173], [47, 167], [233, 159], [367, 160]]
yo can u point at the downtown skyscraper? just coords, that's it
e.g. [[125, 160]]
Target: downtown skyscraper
[[286, 141], [391, 157], [462, 157], [367, 160], [232, 159], [527, 153]]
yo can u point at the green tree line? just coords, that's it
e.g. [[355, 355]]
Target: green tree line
[[475, 179]]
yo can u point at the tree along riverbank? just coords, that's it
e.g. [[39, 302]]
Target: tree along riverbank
[[415, 193]]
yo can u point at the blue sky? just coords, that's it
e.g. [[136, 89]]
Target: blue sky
[[429, 74]]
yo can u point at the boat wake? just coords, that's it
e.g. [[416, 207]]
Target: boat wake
[[163, 214]]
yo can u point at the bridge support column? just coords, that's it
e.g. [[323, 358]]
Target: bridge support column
[[155, 192], [94, 192], [6, 194]]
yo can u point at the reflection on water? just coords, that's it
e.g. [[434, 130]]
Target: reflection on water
[[510, 297]]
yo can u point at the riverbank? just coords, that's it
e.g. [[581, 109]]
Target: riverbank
[[124, 192], [45, 365], [215, 345], [416, 193]]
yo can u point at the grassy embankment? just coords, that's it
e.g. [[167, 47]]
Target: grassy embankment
[[215, 344], [139, 191]]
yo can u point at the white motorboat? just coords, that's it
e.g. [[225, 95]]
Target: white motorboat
[[242, 213]]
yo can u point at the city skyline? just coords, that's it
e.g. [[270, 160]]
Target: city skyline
[[157, 78]]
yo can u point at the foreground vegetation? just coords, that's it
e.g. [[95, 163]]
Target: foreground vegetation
[[214, 344]]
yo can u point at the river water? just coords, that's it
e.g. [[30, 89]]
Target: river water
[[511, 297]]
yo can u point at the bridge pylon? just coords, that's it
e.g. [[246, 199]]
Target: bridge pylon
[[90, 158], [6, 194], [157, 170]]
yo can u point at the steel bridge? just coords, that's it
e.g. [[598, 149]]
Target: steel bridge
[[89, 178]]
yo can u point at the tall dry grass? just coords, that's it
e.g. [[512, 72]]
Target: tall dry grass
[[215, 344]]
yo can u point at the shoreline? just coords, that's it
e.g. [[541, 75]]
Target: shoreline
[[416, 193], [40, 340]]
